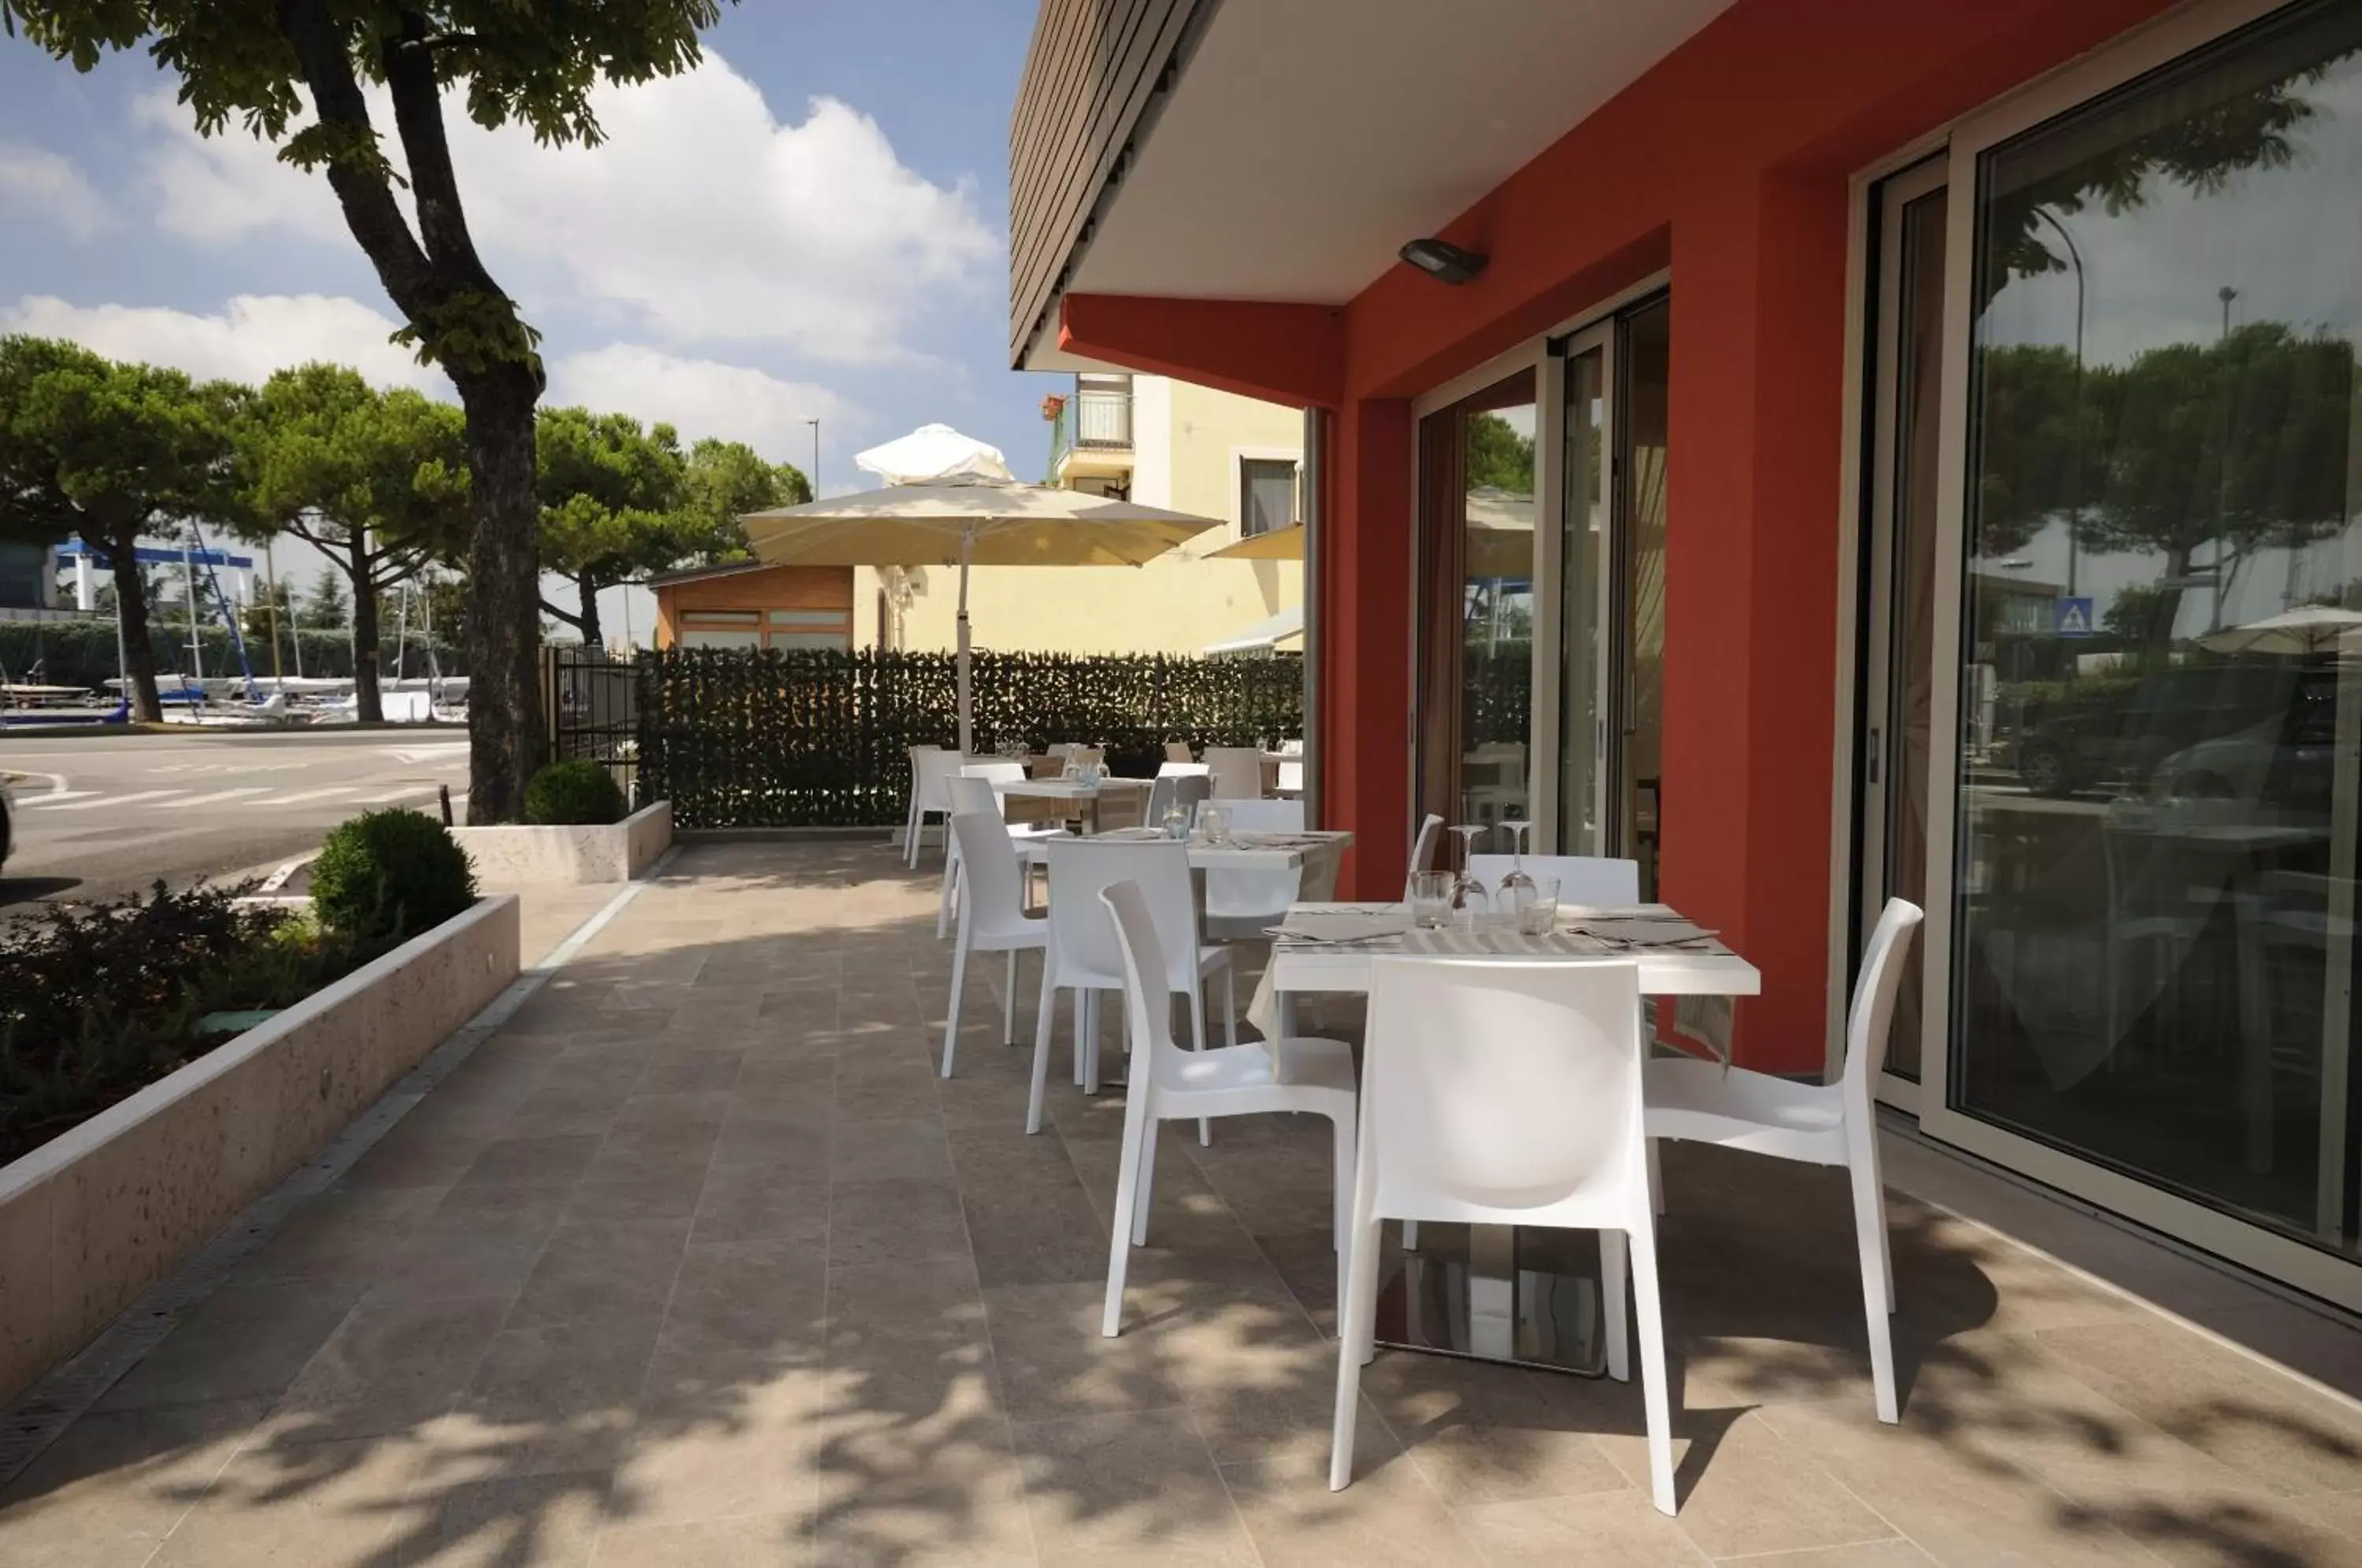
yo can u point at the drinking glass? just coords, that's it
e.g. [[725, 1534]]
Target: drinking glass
[[1535, 906], [1468, 899], [1430, 899], [1215, 824], [1517, 884], [1176, 819]]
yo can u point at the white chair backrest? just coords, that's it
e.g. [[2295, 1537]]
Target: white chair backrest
[[1869, 1019], [1422, 844], [1145, 996], [1082, 939], [1291, 777], [1237, 770], [1261, 816], [1183, 768], [1000, 771], [1582, 879], [992, 897], [971, 794], [1179, 751], [934, 769], [1184, 789], [1493, 1088]]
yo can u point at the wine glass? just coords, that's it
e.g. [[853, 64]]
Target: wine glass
[[1516, 888], [1468, 899]]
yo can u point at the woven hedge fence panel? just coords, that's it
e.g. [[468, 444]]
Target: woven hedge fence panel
[[741, 738]]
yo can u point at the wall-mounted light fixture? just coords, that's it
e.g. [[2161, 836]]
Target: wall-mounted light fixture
[[1441, 260]]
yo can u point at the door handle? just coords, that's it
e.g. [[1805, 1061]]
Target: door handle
[[1873, 752]]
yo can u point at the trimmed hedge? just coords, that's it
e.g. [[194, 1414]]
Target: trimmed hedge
[[574, 792], [384, 877], [742, 738]]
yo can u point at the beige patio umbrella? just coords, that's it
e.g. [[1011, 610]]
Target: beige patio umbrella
[[967, 520], [2307, 629]]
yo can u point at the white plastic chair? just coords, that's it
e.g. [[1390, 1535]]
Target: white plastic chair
[[1237, 770], [971, 789], [992, 916], [1168, 1084], [1241, 905], [911, 813], [1582, 879], [1422, 848], [1822, 1124], [1083, 957], [932, 770], [1506, 1093], [1183, 768], [1179, 751]]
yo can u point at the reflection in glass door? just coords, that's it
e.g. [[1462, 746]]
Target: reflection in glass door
[[1636, 819], [1476, 568], [1899, 590], [1583, 531]]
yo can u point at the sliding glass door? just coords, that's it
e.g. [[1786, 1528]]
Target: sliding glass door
[[2109, 729]]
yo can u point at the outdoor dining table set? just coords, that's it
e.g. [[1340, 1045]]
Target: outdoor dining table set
[[1506, 1106]]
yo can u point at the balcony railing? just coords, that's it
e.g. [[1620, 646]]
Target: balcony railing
[[1093, 420]]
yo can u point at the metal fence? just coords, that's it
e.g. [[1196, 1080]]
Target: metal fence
[[742, 738], [591, 708]]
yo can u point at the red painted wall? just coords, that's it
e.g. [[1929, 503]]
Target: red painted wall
[[1728, 163]]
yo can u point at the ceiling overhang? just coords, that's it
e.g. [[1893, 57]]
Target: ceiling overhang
[[1302, 142]]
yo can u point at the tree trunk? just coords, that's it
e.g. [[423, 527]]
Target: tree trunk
[[131, 608], [505, 736], [586, 586], [369, 706]]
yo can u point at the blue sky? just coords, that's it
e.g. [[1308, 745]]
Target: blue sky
[[813, 224]]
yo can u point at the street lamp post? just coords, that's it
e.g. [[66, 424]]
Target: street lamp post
[[814, 485]]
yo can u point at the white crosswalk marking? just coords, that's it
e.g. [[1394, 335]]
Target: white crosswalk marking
[[303, 795], [221, 795], [116, 799], [389, 796]]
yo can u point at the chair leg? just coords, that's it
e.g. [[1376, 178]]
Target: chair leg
[[1041, 1049], [1197, 1042], [1009, 1001], [1614, 1319], [1649, 1306], [1656, 1180], [949, 895], [1139, 1129], [959, 981], [1082, 1010], [1870, 1226], [1091, 1044], [1230, 1004], [910, 832], [1342, 1185], [1357, 1312], [1145, 1192]]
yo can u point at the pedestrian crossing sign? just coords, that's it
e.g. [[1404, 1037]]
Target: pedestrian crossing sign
[[2070, 617]]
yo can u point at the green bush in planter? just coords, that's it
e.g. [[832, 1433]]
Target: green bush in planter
[[384, 877], [574, 792]]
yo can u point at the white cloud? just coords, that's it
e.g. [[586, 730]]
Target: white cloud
[[704, 397], [252, 336], [702, 218], [39, 184]]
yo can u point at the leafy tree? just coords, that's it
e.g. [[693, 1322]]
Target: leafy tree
[[377, 481], [726, 479], [2030, 463], [1498, 458], [266, 64], [327, 608], [608, 491], [108, 451]]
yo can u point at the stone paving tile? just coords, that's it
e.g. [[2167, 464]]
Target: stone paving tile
[[700, 1259]]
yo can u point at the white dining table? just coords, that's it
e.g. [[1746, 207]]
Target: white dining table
[[1527, 1296], [1244, 852]]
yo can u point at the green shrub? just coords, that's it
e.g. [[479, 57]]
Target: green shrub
[[384, 877], [572, 793], [96, 1004]]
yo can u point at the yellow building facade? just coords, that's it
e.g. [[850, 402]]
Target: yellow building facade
[[1158, 442]]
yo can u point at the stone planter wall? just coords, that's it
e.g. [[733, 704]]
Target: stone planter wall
[[92, 1218], [617, 852]]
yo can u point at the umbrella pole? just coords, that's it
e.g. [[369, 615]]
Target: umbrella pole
[[966, 702]]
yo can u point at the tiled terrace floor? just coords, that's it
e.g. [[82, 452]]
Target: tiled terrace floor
[[697, 1262]]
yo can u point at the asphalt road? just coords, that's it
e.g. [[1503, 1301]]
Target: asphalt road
[[102, 816]]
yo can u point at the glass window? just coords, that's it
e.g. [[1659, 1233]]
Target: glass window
[[1644, 423], [1266, 494], [1582, 540], [2161, 690], [808, 617], [1477, 647], [701, 637]]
